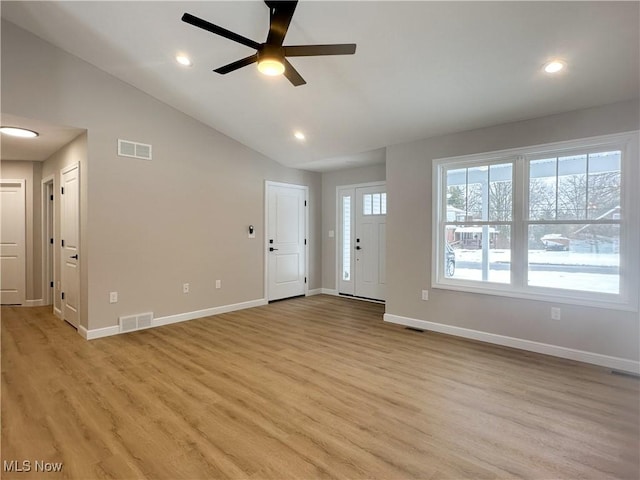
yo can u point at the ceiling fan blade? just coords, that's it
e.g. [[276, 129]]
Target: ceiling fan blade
[[292, 74], [280, 14], [314, 50], [223, 32], [237, 64]]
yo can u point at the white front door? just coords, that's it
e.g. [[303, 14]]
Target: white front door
[[70, 243], [362, 241], [286, 241], [12, 242]]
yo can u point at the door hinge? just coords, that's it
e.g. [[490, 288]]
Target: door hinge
[[62, 242], [305, 203], [51, 241], [62, 190], [305, 241], [62, 295], [51, 284], [305, 279], [51, 198]]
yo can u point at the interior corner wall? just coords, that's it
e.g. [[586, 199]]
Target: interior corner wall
[[331, 180], [409, 185], [30, 172], [150, 226], [74, 152]]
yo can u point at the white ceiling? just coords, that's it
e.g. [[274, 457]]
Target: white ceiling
[[50, 139], [420, 69]]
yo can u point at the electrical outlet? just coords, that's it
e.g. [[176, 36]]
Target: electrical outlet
[[218, 283], [425, 295], [113, 297], [185, 288], [555, 313]]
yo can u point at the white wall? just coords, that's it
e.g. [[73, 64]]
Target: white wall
[[331, 180], [409, 185], [150, 226]]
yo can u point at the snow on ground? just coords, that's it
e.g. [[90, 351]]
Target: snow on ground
[[544, 257], [571, 279]]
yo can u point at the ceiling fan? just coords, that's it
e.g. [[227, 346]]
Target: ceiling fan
[[271, 55]]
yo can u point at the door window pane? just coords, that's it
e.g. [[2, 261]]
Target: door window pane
[[346, 237]]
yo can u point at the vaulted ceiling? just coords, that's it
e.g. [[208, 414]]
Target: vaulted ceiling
[[420, 69]]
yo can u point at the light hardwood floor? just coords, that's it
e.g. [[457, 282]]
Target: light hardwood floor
[[315, 387]]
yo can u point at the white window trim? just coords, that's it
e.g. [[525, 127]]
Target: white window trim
[[628, 143]]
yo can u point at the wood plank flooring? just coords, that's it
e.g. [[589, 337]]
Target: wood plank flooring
[[315, 387]]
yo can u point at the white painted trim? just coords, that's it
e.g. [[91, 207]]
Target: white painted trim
[[615, 363], [329, 291], [57, 312], [181, 317], [98, 332], [46, 261], [83, 332], [314, 291], [34, 303], [169, 319]]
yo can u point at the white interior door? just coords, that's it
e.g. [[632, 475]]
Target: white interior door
[[70, 243], [286, 241], [12, 242]]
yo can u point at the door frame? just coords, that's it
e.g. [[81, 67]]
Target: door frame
[[47, 186], [267, 185], [23, 274], [340, 233], [60, 248]]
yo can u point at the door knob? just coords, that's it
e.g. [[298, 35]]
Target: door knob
[[271, 249], [74, 256]]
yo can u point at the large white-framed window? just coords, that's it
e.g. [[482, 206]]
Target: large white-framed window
[[557, 222]]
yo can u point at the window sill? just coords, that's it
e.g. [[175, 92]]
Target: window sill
[[614, 302]]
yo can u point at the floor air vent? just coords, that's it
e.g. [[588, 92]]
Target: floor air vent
[[127, 148], [130, 323]]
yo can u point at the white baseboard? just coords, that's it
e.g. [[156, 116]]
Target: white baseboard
[[181, 317], [98, 332], [615, 363], [315, 291], [328, 291], [57, 312], [34, 303]]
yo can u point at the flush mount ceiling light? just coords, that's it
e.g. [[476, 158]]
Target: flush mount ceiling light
[[183, 60], [554, 66], [18, 132], [299, 135]]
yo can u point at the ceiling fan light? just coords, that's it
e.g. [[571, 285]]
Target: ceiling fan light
[[271, 66]]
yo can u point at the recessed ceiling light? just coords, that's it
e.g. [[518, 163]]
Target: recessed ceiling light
[[183, 60], [18, 132], [299, 135], [554, 66]]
